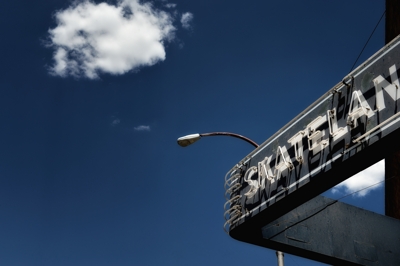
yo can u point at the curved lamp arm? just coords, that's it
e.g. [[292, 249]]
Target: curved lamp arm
[[190, 139]]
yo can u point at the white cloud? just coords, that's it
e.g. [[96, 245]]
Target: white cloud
[[186, 19], [142, 128], [93, 38], [115, 122], [370, 176], [170, 5]]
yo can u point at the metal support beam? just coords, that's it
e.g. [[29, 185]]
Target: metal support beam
[[336, 233], [392, 22], [392, 159]]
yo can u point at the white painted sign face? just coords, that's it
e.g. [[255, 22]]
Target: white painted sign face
[[343, 132]]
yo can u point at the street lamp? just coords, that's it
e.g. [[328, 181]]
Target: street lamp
[[192, 138]]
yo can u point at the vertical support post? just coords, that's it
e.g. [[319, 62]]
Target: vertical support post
[[392, 184], [392, 22], [279, 256], [392, 160]]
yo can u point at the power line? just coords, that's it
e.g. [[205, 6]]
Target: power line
[[367, 41]]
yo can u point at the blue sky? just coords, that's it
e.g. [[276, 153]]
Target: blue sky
[[93, 96]]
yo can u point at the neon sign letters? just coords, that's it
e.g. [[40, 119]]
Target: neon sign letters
[[317, 139], [345, 122]]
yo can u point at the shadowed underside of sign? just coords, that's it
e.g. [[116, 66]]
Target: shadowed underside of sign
[[349, 128]]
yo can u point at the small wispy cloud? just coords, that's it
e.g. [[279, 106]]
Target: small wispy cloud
[[92, 38], [370, 176], [169, 5], [186, 19], [142, 128], [115, 122]]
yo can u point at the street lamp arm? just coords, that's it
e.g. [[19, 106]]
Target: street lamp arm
[[230, 134], [190, 139]]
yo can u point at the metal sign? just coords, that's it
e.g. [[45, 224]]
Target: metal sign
[[346, 130]]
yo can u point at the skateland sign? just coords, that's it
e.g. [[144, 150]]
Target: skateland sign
[[346, 130]]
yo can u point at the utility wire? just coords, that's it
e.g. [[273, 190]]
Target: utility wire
[[367, 41], [293, 259], [364, 188]]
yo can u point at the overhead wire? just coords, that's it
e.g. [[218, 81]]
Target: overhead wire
[[362, 50]]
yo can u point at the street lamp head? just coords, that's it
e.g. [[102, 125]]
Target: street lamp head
[[189, 139]]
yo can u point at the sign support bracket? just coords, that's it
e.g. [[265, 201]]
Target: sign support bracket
[[336, 233]]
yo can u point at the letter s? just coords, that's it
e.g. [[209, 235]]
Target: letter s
[[252, 183]]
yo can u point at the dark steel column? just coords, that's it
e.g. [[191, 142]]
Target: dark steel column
[[392, 184], [392, 160], [392, 22]]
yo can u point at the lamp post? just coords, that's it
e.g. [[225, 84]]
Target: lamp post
[[192, 138]]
